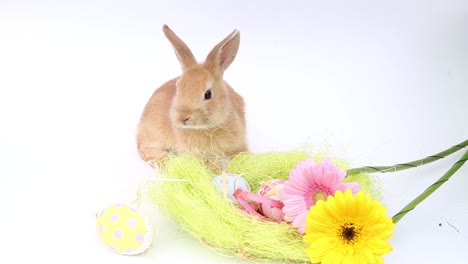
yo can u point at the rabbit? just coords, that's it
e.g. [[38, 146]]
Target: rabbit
[[197, 112]]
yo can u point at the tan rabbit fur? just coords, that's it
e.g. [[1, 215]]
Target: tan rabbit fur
[[197, 112]]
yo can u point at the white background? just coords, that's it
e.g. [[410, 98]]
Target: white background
[[377, 82]]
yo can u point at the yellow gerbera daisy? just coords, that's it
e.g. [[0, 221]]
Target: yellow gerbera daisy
[[348, 229]]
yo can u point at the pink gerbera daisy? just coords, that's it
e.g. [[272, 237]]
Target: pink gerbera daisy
[[308, 183]]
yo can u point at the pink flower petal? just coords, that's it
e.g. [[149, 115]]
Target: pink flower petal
[[312, 176], [300, 222], [293, 191], [294, 200], [296, 180], [354, 186], [293, 211]]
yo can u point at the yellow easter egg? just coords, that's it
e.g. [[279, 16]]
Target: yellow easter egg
[[124, 229]]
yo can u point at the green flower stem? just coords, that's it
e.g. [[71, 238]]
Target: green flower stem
[[431, 188], [409, 165]]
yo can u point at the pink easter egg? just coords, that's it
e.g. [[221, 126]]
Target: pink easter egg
[[271, 189]]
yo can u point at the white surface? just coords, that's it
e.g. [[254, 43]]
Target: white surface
[[379, 83]]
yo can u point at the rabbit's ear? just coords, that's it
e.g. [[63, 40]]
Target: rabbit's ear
[[222, 55], [182, 51]]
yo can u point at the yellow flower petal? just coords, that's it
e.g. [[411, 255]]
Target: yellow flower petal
[[369, 256], [348, 229], [378, 260], [332, 258]]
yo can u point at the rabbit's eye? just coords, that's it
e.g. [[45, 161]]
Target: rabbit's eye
[[208, 95]]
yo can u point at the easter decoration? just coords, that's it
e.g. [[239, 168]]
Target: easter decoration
[[271, 190], [124, 229], [228, 184], [311, 221]]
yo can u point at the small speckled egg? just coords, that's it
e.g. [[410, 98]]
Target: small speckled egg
[[271, 189], [228, 183], [124, 229]]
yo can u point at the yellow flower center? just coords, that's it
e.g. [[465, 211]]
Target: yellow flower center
[[349, 233], [319, 196]]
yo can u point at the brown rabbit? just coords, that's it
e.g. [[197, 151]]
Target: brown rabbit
[[197, 112]]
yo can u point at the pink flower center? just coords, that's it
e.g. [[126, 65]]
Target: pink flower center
[[319, 196], [316, 193]]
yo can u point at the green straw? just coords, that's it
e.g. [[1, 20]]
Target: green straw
[[431, 188], [409, 165]]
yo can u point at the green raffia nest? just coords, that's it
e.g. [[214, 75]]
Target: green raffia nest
[[200, 210]]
